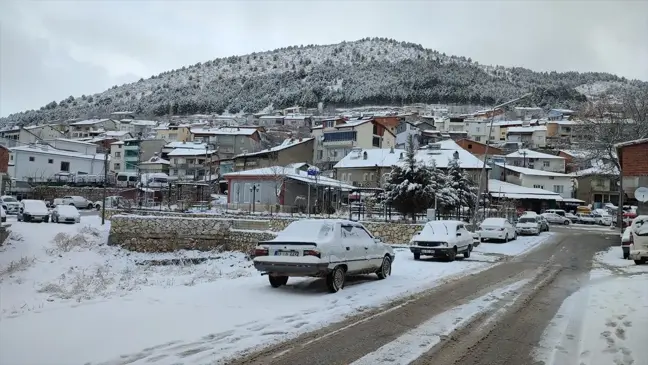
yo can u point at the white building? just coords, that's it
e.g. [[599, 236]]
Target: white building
[[403, 132], [529, 136], [91, 127], [189, 163], [37, 133], [43, 162], [117, 157], [138, 128], [536, 160], [538, 179]]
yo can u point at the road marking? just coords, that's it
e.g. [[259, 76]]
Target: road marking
[[416, 342]]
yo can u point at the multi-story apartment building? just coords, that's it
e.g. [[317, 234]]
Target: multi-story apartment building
[[333, 143], [91, 127], [536, 160], [173, 132], [230, 141], [190, 164]]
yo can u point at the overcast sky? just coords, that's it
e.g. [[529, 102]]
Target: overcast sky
[[52, 49]]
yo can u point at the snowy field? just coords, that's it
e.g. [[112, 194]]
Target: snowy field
[[605, 322], [76, 300]]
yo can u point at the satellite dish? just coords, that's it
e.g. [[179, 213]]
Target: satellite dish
[[641, 194]]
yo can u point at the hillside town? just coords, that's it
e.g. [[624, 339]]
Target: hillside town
[[522, 154]]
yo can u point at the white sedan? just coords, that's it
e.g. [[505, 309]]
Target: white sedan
[[65, 214], [639, 240], [442, 239], [554, 218], [330, 248], [497, 229]]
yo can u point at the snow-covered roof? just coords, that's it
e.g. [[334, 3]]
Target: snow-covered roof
[[529, 129], [287, 143], [225, 131], [599, 169], [381, 157], [90, 121], [118, 142], [44, 149], [576, 153], [564, 111], [74, 141], [384, 158], [189, 145], [139, 122], [271, 117], [292, 173], [527, 153], [189, 152], [531, 172], [501, 189], [155, 160], [503, 123], [631, 143], [116, 133]]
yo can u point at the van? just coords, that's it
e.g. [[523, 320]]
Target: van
[[126, 179], [155, 180], [560, 212]]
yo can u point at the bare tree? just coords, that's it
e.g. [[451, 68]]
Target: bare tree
[[610, 121]]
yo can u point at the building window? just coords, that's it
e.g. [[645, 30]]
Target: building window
[[538, 186], [376, 142], [50, 160], [31, 159], [117, 154], [117, 166], [545, 163], [469, 146], [477, 138], [364, 177], [11, 157], [558, 189], [65, 166]]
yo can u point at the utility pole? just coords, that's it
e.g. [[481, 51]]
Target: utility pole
[[254, 189], [524, 155], [105, 184], [483, 169]]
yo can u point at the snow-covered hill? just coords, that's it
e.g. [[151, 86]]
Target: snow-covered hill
[[369, 71]]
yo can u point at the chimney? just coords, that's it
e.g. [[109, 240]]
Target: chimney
[[456, 155]]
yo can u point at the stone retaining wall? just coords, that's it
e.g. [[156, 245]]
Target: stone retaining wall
[[207, 232]]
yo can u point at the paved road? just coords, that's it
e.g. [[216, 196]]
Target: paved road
[[554, 270]]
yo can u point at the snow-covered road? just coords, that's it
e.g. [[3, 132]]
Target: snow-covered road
[[605, 322], [88, 302]]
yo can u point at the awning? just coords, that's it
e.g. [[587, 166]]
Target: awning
[[501, 189], [520, 196], [573, 201]]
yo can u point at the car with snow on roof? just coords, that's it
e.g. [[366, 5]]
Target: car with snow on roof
[[639, 240], [329, 248], [442, 238]]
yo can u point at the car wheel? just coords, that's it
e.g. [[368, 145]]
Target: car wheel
[[277, 281], [385, 268], [98, 207], [417, 255], [467, 252], [72, 204], [452, 255], [90, 206], [566, 222], [335, 279], [640, 262], [506, 238], [46, 219]]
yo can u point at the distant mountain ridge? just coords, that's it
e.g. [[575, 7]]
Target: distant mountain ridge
[[374, 71]]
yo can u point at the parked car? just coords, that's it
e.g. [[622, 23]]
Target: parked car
[[497, 229], [330, 248], [585, 218], [3, 215], [528, 224], [559, 212], [78, 201], [65, 214], [639, 240], [544, 225], [602, 219], [554, 218], [626, 242], [10, 204], [443, 238], [111, 202], [33, 211], [572, 217]]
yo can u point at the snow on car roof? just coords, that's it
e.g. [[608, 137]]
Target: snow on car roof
[[439, 229], [68, 209]]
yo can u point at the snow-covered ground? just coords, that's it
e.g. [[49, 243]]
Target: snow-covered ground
[[89, 302], [605, 322]]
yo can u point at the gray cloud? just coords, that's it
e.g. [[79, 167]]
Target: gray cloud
[[50, 50]]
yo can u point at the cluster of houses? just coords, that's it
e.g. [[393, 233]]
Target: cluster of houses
[[266, 158]]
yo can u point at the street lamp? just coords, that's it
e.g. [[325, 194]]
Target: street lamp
[[254, 190], [483, 169]]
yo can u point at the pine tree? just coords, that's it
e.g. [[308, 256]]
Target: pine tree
[[464, 189], [410, 188]]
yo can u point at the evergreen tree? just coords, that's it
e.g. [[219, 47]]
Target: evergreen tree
[[464, 189], [443, 192], [410, 188]]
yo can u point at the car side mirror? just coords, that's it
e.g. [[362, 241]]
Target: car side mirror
[[458, 234]]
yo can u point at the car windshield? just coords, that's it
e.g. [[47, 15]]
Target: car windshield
[[437, 229], [493, 222], [9, 199], [67, 209], [34, 204], [306, 230], [527, 220]]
